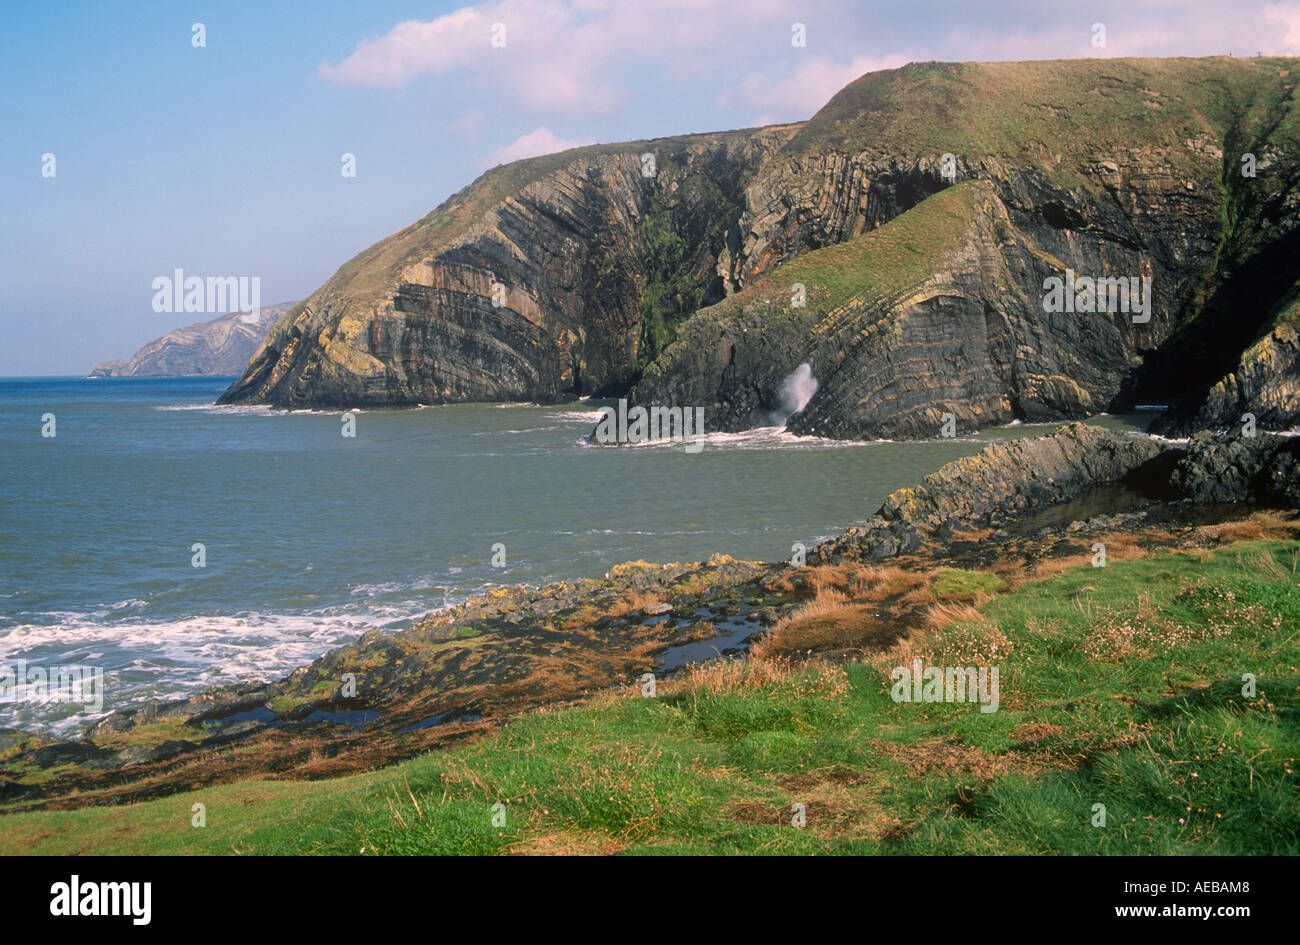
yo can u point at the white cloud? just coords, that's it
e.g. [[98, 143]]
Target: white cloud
[[533, 144], [1288, 16], [801, 94], [413, 48], [564, 56]]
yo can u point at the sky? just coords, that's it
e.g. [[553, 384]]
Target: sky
[[226, 158]]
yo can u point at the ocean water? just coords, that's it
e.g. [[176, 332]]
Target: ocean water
[[311, 538]]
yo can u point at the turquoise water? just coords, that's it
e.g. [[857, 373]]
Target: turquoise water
[[312, 538]]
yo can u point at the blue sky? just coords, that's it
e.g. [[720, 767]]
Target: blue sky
[[225, 160]]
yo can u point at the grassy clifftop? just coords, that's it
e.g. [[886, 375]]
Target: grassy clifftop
[[1049, 110]]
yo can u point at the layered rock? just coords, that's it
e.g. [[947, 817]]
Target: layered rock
[[937, 318], [219, 346], [545, 279], [1013, 482]]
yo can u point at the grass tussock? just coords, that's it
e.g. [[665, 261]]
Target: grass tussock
[[827, 622]]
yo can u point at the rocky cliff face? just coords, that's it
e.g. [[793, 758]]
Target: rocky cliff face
[[923, 301], [898, 243], [936, 318], [1008, 483], [548, 278], [219, 346]]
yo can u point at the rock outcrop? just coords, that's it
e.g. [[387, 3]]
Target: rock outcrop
[[1231, 468], [219, 346], [998, 484], [1010, 482], [1263, 386], [921, 304]]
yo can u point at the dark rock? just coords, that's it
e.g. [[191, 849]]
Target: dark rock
[[992, 487], [1220, 467], [68, 753], [140, 754], [233, 732]]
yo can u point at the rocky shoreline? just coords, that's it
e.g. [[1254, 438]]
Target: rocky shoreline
[[461, 673]]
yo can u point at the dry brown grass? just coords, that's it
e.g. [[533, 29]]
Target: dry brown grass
[[1031, 733], [827, 577], [716, 677], [917, 597], [566, 843], [1120, 546], [827, 622], [951, 756], [781, 582], [951, 634], [888, 581], [632, 602], [1259, 526], [837, 802], [940, 615]]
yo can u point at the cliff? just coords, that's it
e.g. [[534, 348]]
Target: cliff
[[219, 346], [921, 211], [595, 254]]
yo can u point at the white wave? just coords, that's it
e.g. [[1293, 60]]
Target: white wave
[[392, 587], [184, 655], [771, 437], [577, 416], [253, 410], [796, 390]]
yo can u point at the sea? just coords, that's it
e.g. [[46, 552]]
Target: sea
[[174, 545]]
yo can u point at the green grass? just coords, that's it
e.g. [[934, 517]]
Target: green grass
[[953, 582], [1122, 686], [1037, 110]]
